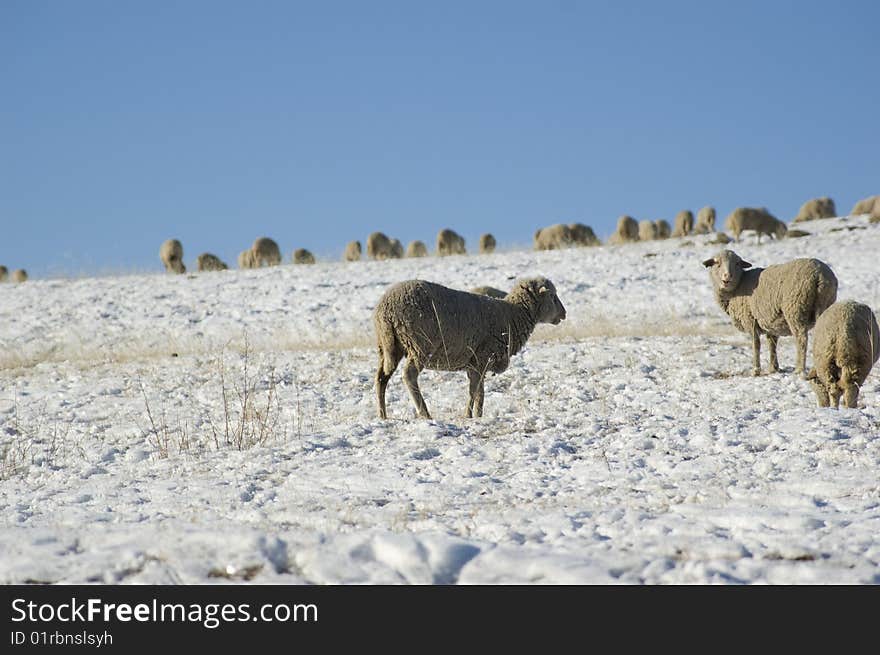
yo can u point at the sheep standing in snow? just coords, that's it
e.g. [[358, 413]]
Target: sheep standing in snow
[[553, 237], [663, 228], [487, 243], [19, 275], [846, 345], [246, 259], [450, 243], [302, 256], [396, 249], [705, 221], [684, 223], [209, 262], [444, 329], [171, 254], [378, 246], [816, 208], [4, 273], [758, 219], [869, 205], [492, 292], [780, 300], [647, 231], [417, 249], [583, 235], [627, 231], [265, 252], [353, 251]]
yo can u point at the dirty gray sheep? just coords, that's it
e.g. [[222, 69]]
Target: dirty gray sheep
[[487, 243], [265, 252], [815, 209], [302, 256], [171, 254], [438, 328], [352, 251], [780, 300], [450, 242], [846, 345], [210, 262], [416, 249]]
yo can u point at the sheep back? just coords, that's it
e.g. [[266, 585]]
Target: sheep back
[[647, 231], [450, 243], [416, 249], [378, 246], [553, 237], [815, 209], [869, 205], [583, 235], [352, 251]]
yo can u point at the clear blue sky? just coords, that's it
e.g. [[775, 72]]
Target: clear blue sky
[[124, 123]]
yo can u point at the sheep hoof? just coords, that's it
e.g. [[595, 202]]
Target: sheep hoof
[[756, 372]]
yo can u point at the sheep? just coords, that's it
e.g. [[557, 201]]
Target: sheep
[[246, 259], [302, 256], [209, 262], [553, 237], [663, 228], [846, 345], [583, 235], [417, 249], [758, 219], [171, 254], [816, 208], [19, 275], [780, 300], [869, 205], [445, 329], [353, 251], [684, 223], [378, 246], [265, 252], [647, 231], [396, 249], [450, 243], [705, 221], [487, 243], [492, 292], [627, 230], [4, 273]]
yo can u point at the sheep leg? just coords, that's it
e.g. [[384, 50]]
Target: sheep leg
[[850, 389], [772, 340], [756, 351], [801, 365], [382, 379], [476, 394], [821, 395], [411, 372]]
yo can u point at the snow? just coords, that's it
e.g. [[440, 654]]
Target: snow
[[627, 445]]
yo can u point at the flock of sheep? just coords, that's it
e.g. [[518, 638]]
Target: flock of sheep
[[477, 331]]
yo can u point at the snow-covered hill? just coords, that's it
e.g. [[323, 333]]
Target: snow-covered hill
[[221, 427]]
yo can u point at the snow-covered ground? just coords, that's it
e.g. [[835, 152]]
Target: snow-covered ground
[[627, 445]]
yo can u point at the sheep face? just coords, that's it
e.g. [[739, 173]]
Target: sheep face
[[550, 308], [726, 269]]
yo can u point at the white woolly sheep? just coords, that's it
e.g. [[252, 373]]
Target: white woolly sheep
[[869, 205], [378, 246], [553, 237], [396, 249], [246, 259], [171, 254], [210, 262], [4, 273], [302, 256], [663, 228], [445, 329], [353, 251], [647, 231], [815, 209], [492, 292], [266, 252], [627, 231], [684, 223], [19, 275], [417, 249], [583, 235], [780, 300], [705, 221], [846, 345], [752, 218], [487, 243], [450, 243]]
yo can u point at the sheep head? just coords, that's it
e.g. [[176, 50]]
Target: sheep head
[[725, 270]]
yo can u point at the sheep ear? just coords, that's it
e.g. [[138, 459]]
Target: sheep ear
[[709, 263], [744, 264], [543, 289]]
